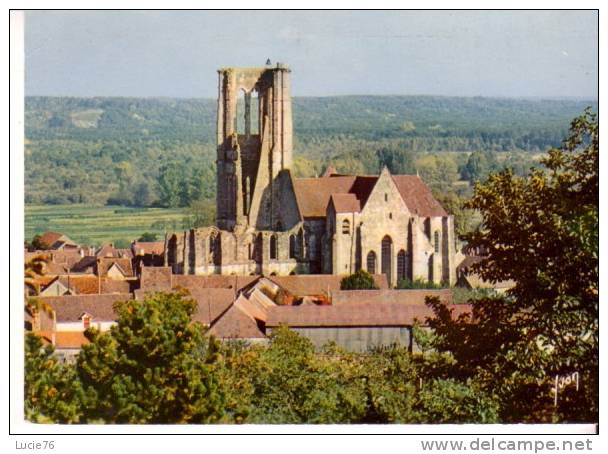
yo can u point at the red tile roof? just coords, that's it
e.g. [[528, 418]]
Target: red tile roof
[[417, 196], [69, 308], [50, 238], [105, 263], [212, 303], [156, 277], [236, 323], [69, 339], [381, 314], [313, 194], [317, 284], [114, 286], [148, 247], [413, 296], [212, 281], [345, 203]]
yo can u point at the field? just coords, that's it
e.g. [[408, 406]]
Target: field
[[94, 225]]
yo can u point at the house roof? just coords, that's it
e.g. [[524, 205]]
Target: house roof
[[408, 297], [213, 281], [86, 263], [212, 303], [317, 284], [50, 238], [156, 277], [52, 268], [69, 308], [417, 196], [148, 247], [105, 263], [345, 203], [379, 314], [115, 286], [70, 339], [79, 284], [236, 323], [66, 257]]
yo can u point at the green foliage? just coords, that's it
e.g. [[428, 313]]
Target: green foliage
[[479, 165], [51, 388], [417, 283], [152, 367], [76, 148], [148, 237], [540, 231], [37, 245], [96, 225], [360, 280]]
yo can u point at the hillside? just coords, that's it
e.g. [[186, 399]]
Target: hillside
[[95, 150]]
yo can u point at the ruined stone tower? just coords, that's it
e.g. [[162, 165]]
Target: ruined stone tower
[[254, 146]]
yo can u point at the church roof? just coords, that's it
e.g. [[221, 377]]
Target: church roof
[[313, 194], [417, 196], [345, 203]]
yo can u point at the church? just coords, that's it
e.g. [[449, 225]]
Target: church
[[270, 223]]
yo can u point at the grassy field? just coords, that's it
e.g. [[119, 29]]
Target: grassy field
[[94, 225]]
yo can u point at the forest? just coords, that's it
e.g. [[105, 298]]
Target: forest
[[160, 152]]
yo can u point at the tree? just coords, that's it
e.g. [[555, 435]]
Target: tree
[[51, 391], [142, 194], [479, 165], [153, 366], [148, 237], [170, 185], [541, 232], [37, 244], [360, 280]]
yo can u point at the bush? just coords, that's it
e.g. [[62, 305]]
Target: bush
[[361, 280], [417, 284]]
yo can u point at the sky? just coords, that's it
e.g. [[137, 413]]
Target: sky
[[176, 53]]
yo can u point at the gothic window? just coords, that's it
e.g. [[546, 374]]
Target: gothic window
[[346, 227], [371, 262], [292, 246], [436, 240], [387, 257], [385, 197], [401, 265], [257, 250], [301, 243], [247, 196], [274, 253]]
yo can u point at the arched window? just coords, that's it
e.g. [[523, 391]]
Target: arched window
[[436, 240], [257, 248], [401, 265], [346, 227], [387, 257], [301, 243], [247, 196], [274, 252], [371, 262], [292, 246]]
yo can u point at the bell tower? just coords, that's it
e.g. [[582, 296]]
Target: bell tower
[[254, 145]]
